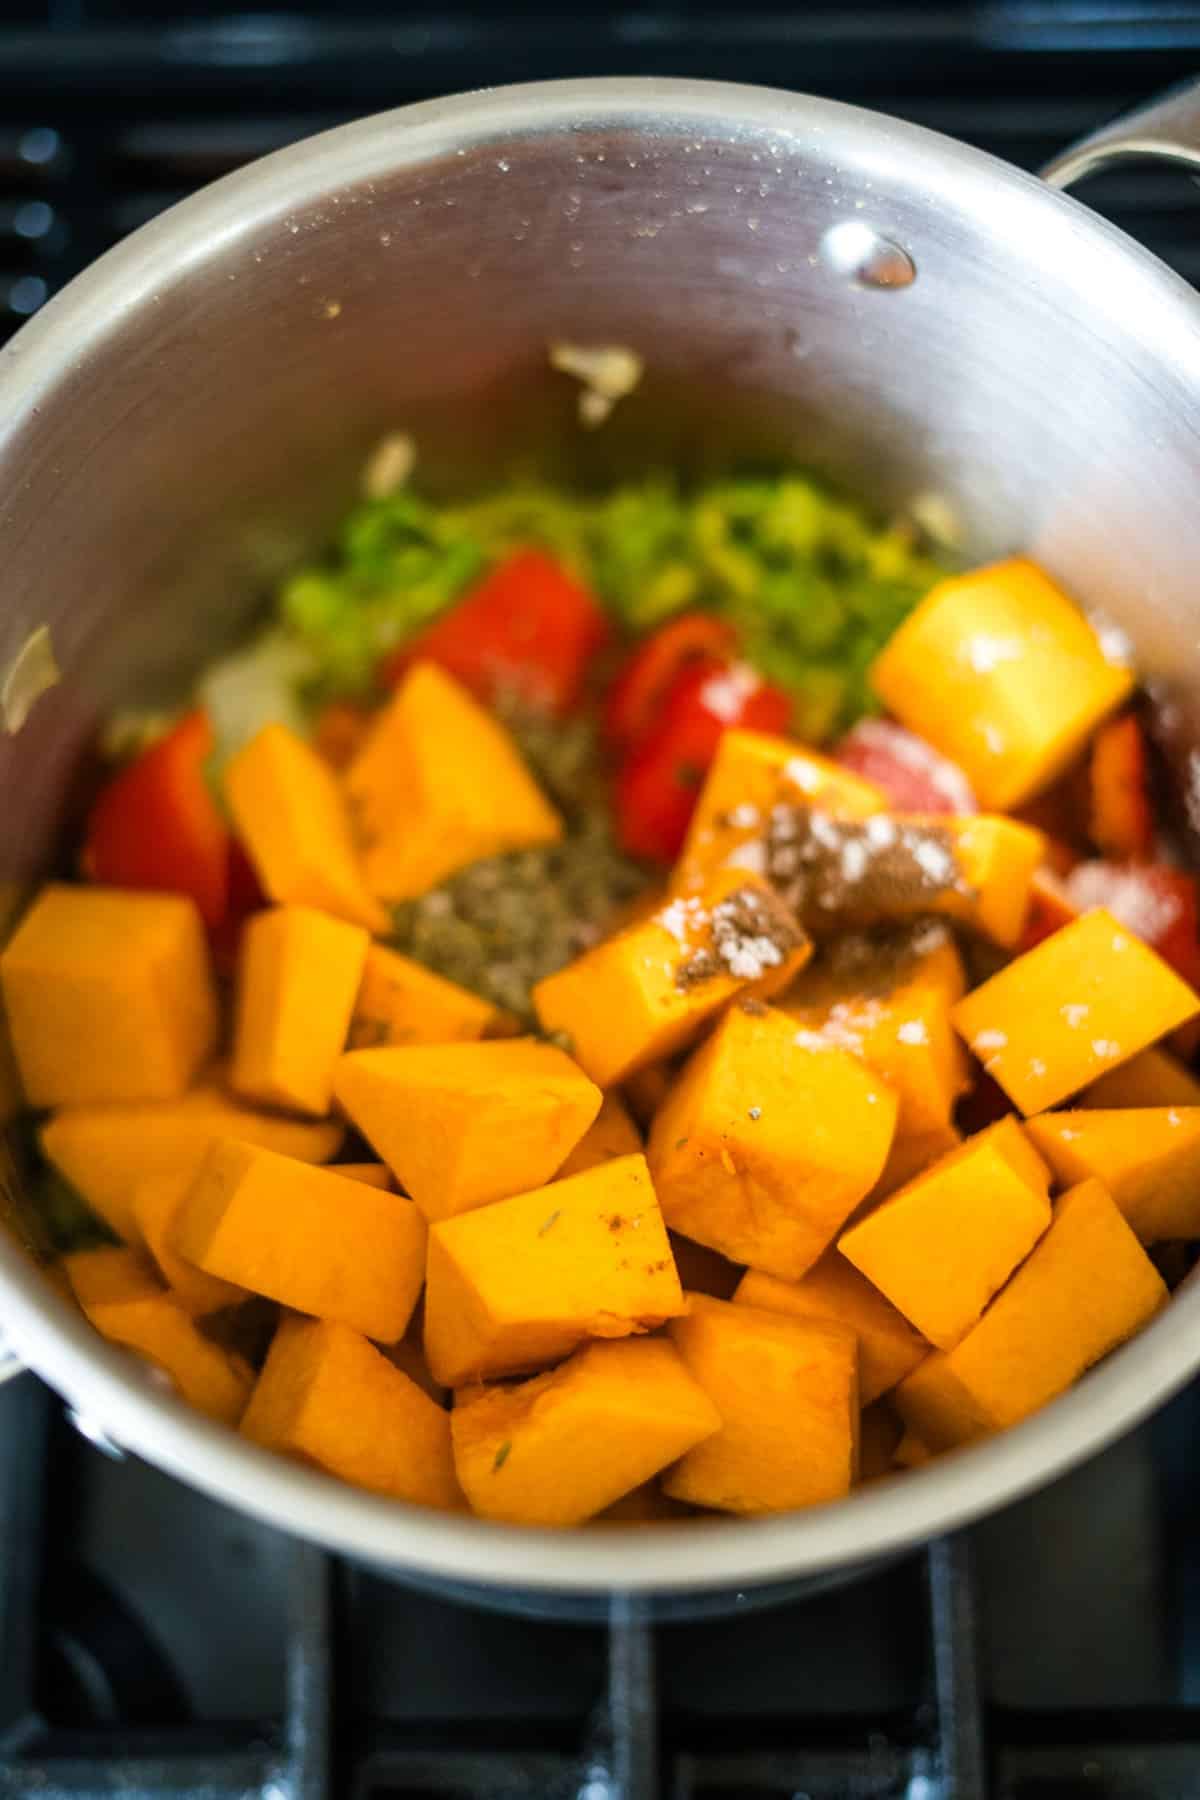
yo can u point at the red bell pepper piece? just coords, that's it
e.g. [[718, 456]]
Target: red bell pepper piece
[[1050, 907], [660, 779], [650, 672], [527, 628], [1121, 814], [156, 824], [914, 776]]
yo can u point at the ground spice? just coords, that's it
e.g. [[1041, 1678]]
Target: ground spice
[[836, 873], [749, 932]]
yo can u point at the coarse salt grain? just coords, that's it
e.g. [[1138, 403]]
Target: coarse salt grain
[[802, 775], [726, 693], [1105, 1047], [1037, 1067], [880, 831], [989, 1040], [855, 858], [751, 856], [986, 652], [1074, 1015], [748, 958], [913, 1032], [744, 817]]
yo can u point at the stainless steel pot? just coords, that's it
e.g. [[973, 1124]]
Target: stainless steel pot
[[804, 280]]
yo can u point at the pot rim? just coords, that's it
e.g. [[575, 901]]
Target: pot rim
[[116, 1391]]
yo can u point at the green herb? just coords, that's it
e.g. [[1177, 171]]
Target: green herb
[[813, 585], [544, 1227], [502, 1456], [499, 926]]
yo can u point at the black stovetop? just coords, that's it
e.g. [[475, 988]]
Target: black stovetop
[[152, 1643]]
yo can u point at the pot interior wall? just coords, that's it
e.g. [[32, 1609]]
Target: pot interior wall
[[182, 427]]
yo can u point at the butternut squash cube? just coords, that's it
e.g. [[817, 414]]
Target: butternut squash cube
[[156, 1203], [786, 1391], [645, 993], [751, 773], [909, 1155], [612, 1133], [560, 1448], [888, 1347], [289, 812], [376, 1175], [1002, 673], [1148, 1158], [402, 1002], [917, 957], [907, 1039], [524, 1282], [767, 1142], [304, 1237], [437, 784], [940, 1247], [127, 1304], [1087, 1287], [999, 859], [109, 996], [104, 1152], [327, 1395], [1151, 1078], [1076, 1005], [461, 1125], [298, 976]]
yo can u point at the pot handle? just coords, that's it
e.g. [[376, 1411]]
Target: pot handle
[[1167, 129]]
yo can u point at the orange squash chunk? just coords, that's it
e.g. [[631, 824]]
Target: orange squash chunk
[[106, 1151], [766, 1144], [1075, 1006], [127, 1304], [156, 1202], [289, 812], [305, 1237], [888, 1347], [632, 1001], [376, 1175], [612, 1133], [525, 1281], [559, 1449], [437, 784], [1086, 1287], [1147, 1157], [298, 975], [940, 1247], [402, 1002], [1151, 1078], [1003, 674], [109, 996], [751, 773], [786, 1391], [909, 1155], [462, 1125], [325, 1394], [907, 1039]]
